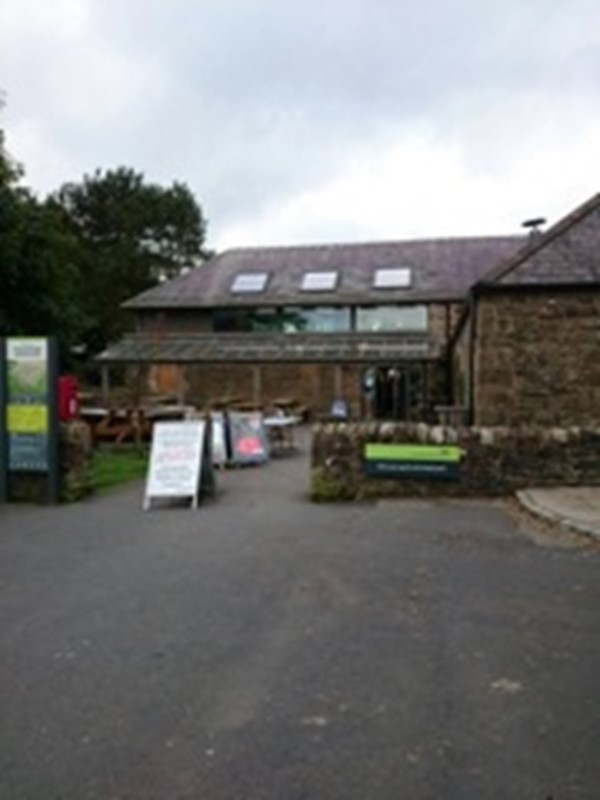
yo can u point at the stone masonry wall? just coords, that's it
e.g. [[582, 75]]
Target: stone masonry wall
[[495, 461], [537, 359]]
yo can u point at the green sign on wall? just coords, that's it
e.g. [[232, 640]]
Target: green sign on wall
[[412, 461]]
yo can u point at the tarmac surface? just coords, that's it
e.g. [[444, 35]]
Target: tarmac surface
[[265, 647]]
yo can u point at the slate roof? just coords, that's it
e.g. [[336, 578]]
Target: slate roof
[[567, 253], [253, 348], [441, 270]]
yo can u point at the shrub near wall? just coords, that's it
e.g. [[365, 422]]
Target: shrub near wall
[[495, 461]]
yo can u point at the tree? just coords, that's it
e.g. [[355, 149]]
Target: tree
[[40, 288], [39, 283], [131, 235], [10, 171]]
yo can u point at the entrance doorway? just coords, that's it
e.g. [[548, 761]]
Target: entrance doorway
[[399, 392]]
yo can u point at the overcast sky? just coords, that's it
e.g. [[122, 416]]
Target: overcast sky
[[315, 120]]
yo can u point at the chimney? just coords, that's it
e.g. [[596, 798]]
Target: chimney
[[534, 225]]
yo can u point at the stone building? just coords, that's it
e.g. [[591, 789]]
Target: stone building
[[505, 330], [527, 349], [367, 323]]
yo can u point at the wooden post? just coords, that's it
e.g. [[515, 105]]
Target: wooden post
[[256, 384], [105, 383], [338, 383]]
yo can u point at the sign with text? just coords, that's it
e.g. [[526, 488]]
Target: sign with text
[[27, 404], [219, 439], [176, 460], [29, 427], [441, 462], [249, 443]]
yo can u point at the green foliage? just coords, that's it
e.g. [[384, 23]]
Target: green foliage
[[69, 262], [40, 287], [115, 466], [130, 236], [326, 489]]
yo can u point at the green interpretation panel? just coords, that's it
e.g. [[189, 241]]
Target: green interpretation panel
[[27, 362], [29, 411], [415, 461]]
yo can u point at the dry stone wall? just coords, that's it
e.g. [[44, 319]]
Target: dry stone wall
[[495, 461]]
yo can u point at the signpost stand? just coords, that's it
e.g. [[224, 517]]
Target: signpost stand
[[180, 462], [3, 437], [54, 472]]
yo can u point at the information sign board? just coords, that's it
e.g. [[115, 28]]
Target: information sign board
[[219, 439], [176, 461], [29, 428], [27, 405], [248, 436], [412, 461]]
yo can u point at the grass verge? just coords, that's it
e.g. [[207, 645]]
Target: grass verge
[[114, 466]]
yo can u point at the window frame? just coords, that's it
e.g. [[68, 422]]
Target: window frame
[[331, 273], [383, 278], [241, 276]]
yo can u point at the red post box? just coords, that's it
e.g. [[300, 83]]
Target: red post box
[[68, 399]]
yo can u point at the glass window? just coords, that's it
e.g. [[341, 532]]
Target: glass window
[[316, 320], [256, 320], [319, 281], [249, 282], [392, 278], [391, 318]]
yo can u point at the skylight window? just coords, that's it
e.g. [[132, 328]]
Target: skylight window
[[392, 278], [249, 282], [319, 281]]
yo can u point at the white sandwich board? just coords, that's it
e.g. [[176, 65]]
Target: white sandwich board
[[175, 461]]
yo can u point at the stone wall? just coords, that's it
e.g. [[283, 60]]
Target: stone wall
[[76, 455], [495, 461], [537, 359]]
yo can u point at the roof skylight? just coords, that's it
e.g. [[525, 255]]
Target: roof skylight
[[247, 282], [392, 278], [319, 281]]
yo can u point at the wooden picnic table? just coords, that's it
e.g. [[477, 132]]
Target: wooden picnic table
[[121, 425]]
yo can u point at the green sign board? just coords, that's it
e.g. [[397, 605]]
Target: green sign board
[[27, 394], [28, 409], [419, 461]]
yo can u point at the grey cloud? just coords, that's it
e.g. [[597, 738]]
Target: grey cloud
[[254, 100]]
